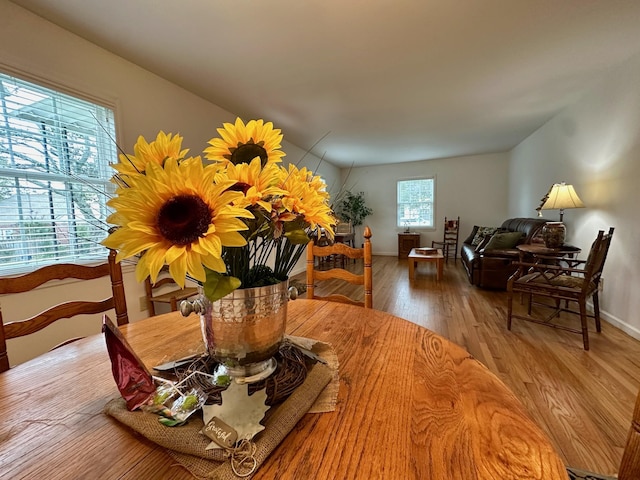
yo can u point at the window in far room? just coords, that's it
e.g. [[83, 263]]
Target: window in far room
[[55, 152], [415, 202]]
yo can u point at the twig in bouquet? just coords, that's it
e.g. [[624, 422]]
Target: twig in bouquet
[[315, 172], [120, 149], [312, 147], [342, 190], [289, 251]]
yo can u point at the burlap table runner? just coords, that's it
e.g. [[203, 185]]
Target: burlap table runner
[[187, 445]]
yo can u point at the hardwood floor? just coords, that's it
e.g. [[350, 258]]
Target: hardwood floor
[[582, 400]]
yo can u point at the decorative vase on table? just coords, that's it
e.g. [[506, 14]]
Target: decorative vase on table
[[553, 234], [243, 330]]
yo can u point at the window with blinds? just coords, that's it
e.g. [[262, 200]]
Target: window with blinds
[[416, 202], [55, 152]]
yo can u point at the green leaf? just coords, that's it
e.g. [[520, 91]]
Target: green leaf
[[169, 422], [297, 236], [218, 285]]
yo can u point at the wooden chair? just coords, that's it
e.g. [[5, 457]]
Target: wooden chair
[[630, 464], [365, 279], [30, 281], [561, 283], [157, 292], [343, 233], [450, 239]]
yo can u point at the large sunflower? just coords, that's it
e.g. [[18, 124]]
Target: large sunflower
[[258, 184], [176, 215], [307, 198], [242, 143], [165, 146]]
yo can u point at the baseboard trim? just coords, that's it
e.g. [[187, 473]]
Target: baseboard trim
[[624, 326]]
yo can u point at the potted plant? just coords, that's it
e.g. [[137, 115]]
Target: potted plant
[[352, 208]]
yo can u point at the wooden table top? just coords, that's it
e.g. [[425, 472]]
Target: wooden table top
[[435, 253], [411, 405], [536, 248]]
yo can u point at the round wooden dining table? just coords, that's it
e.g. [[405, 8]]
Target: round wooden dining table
[[411, 405]]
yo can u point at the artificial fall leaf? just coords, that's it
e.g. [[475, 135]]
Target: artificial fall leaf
[[239, 410]]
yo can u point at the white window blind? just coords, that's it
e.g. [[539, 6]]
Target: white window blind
[[415, 202], [55, 152]]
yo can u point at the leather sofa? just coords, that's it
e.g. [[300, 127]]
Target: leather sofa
[[491, 267]]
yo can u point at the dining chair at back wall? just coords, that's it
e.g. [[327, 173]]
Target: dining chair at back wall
[[450, 239]]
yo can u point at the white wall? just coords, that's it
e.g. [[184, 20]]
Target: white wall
[[595, 145], [473, 187], [145, 104]]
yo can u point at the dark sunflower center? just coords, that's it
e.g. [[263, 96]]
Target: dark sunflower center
[[245, 152], [184, 219], [240, 187]]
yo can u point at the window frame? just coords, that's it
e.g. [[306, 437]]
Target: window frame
[[421, 226], [106, 147]]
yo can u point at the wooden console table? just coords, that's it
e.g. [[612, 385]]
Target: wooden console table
[[407, 241]]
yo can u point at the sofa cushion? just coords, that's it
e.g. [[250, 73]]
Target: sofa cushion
[[529, 226], [482, 232], [504, 240]]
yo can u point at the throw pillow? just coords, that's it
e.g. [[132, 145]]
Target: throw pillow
[[472, 235], [501, 241], [483, 243], [481, 233]]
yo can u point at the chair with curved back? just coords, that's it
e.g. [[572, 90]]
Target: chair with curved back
[[30, 281], [630, 464], [366, 279], [561, 283]]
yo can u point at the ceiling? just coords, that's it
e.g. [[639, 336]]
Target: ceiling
[[371, 81]]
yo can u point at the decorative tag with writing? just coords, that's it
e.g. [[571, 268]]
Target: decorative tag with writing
[[221, 433]]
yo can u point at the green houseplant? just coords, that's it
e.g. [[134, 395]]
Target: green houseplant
[[352, 208]]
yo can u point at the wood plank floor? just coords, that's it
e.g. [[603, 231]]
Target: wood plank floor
[[582, 400]]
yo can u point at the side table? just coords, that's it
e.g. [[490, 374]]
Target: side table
[[535, 249], [539, 252], [434, 257], [407, 242]]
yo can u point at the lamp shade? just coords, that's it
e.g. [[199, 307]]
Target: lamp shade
[[561, 196]]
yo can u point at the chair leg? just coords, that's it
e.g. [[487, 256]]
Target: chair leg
[[509, 309], [583, 320], [151, 308], [596, 311]]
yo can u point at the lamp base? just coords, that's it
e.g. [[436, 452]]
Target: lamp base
[[553, 234]]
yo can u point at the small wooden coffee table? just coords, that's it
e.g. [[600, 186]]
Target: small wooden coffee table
[[436, 257]]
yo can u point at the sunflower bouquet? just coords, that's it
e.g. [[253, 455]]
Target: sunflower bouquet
[[242, 220]]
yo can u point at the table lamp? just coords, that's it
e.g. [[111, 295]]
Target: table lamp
[[559, 197]]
